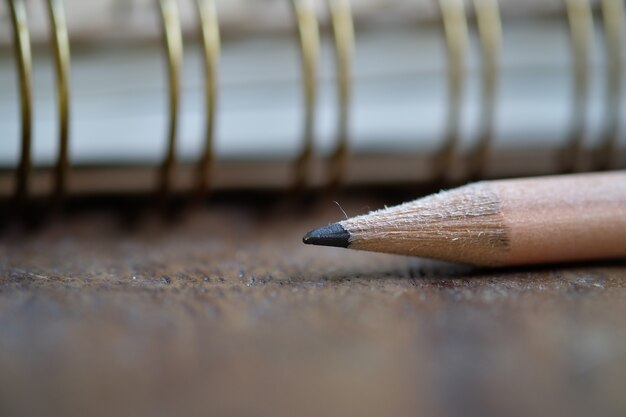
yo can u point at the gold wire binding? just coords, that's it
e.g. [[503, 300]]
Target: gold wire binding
[[580, 19], [310, 48], [61, 50], [25, 69], [343, 31], [614, 17], [490, 34], [211, 47], [457, 41], [173, 40]]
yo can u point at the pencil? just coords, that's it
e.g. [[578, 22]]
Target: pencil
[[498, 223]]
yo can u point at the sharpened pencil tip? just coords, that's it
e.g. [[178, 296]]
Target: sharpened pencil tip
[[333, 235]]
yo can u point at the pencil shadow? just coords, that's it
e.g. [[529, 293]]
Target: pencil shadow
[[431, 270], [547, 268]]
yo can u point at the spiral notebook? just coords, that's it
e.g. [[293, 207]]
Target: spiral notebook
[[181, 95]]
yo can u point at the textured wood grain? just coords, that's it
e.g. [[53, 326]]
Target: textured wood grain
[[224, 312]]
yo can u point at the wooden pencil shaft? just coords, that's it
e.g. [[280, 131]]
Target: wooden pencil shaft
[[507, 222]]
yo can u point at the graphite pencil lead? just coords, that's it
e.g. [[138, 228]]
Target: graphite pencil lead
[[332, 235]]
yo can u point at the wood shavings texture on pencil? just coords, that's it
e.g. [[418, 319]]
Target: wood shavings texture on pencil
[[496, 223]]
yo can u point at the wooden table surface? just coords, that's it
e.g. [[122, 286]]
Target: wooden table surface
[[224, 312]]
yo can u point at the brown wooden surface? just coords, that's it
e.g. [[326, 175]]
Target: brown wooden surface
[[224, 312]]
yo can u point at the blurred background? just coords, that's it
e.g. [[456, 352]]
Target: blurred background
[[545, 75]]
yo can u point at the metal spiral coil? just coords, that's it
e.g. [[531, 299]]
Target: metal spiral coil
[[456, 28]]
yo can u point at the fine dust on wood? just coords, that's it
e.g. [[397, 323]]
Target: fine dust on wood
[[89, 326]]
